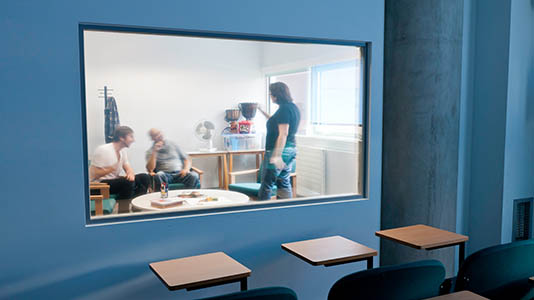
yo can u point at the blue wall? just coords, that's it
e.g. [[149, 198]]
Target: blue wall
[[519, 155], [46, 248], [490, 76], [499, 125]]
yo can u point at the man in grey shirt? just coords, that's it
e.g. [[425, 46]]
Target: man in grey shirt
[[167, 163]]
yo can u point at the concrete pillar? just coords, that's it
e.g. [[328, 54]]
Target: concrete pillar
[[422, 74]]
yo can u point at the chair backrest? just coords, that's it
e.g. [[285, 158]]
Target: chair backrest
[[268, 293], [417, 280], [499, 272]]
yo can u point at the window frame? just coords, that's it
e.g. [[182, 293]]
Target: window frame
[[366, 48]]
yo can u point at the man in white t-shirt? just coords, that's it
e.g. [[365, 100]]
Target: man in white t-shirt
[[109, 160]]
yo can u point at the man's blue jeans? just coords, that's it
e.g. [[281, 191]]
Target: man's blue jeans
[[190, 180], [272, 176]]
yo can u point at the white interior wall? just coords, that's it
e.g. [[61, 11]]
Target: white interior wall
[[169, 83], [283, 57]]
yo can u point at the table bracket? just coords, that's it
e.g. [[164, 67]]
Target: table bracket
[[242, 281], [368, 259]]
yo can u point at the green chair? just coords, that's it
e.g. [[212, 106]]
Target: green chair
[[417, 280], [252, 189], [268, 293], [499, 272], [108, 205], [103, 203], [176, 186]]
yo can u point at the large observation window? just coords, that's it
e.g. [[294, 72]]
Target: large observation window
[[173, 122]]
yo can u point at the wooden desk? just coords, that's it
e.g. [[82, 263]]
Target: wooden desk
[[259, 158], [222, 167], [463, 295], [331, 251], [425, 237], [200, 271]]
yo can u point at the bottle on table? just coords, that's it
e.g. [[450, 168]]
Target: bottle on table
[[164, 190]]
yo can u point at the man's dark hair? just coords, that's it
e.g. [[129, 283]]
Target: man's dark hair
[[120, 132]]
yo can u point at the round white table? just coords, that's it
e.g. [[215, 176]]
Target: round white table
[[224, 197]]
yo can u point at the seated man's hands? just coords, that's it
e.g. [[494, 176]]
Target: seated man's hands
[[110, 169], [158, 146], [183, 172], [130, 176]]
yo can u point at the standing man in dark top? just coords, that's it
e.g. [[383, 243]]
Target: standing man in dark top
[[280, 146]]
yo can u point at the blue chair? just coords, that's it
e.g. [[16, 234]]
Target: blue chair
[[417, 280], [499, 272], [252, 189], [268, 293]]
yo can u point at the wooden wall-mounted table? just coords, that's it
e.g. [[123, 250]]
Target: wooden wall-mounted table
[[222, 164], [201, 271], [331, 251], [426, 237]]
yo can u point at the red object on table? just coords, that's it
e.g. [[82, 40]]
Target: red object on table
[[245, 126]]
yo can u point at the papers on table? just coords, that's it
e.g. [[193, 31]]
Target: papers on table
[[166, 202]]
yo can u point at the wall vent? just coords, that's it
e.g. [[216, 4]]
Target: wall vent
[[522, 221]]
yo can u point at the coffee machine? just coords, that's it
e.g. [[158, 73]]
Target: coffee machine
[[231, 116], [248, 110], [241, 135]]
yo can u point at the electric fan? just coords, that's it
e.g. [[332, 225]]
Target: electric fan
[[204, 131]]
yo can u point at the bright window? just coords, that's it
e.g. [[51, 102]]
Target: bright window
[[335, 94], [329, 97]]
